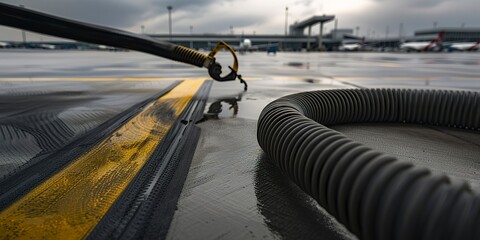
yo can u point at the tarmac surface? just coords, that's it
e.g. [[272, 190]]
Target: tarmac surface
[[51, 99]]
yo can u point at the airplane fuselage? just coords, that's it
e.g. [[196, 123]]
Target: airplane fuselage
[[350, 47], [246, 44], [418, 46], [4, 44], [466, 46], [422, 46]]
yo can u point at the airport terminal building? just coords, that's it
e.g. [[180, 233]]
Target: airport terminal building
[[299, 38], [452, 34]]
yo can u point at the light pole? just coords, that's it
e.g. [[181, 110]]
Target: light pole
[[400, 31], [170, 21], [24, 36], [191, 33], [387, 30], [358, 30], [143, 29], [286, 21]]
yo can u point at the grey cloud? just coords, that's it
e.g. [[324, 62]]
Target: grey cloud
[[113, 13], [208, 24], [156, 7], [413, 3], [130, 14], [414, 16], [108, 12], [306, 3]]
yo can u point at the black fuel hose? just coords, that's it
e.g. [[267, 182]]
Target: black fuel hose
[[374, 195], [34, 21]]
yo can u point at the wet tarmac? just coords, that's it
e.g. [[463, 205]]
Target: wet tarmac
[[232, 191], [38, 118]]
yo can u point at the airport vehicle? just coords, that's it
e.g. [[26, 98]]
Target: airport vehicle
[[422, 46], [272, 50], [463, 46]]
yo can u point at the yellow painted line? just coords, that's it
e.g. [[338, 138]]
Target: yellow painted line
[[386, 78], [97, 79], [92, 79], [73, 201], [391, 65]]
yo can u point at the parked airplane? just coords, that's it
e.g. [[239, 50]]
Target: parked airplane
[[4, 45], [247, 46], [352, 46], [422, 46], [464, 46], [47, 46], [105, 48]]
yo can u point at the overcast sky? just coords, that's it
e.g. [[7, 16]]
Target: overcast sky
[[259, 16]]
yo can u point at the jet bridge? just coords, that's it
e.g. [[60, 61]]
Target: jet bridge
[[298, 29]]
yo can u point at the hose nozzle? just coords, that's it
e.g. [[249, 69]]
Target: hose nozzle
[[215, 69]]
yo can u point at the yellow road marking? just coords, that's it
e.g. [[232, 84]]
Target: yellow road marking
[[93, 79], [73, 201], [386, 78], [392, 65]]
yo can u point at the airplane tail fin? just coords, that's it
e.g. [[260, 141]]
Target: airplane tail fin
[[435, 41], [439, 37], [475, 46]]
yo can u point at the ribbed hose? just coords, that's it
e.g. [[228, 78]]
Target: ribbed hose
[[184, 54], [374, 195]]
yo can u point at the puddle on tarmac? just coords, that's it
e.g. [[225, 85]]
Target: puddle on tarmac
[[226, 107]]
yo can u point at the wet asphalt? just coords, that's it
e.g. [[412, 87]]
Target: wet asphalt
[[232, 191], [37, 118]]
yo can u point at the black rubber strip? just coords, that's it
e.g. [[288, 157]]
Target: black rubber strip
[[36, 173], [374, 195], [146, 207]]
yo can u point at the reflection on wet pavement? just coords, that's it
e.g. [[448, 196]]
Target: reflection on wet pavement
[[38, 118], [232, 192], [215, 107], [218, 199], [70, 203], [289, 212]]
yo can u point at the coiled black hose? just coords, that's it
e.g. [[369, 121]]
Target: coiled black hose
[[373, 194]]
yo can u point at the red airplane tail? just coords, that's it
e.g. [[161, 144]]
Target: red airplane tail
[[435, 41], [475, 47], [439, 37]]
